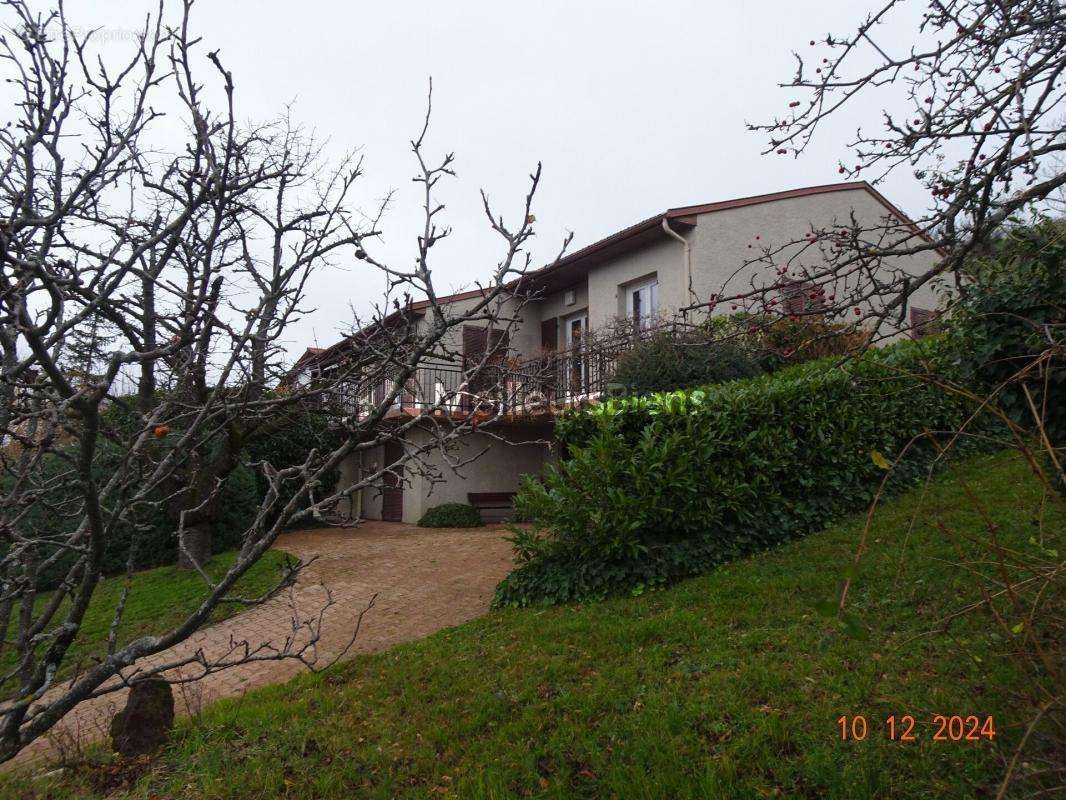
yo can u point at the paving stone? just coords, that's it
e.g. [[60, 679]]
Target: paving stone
[[425, 580]]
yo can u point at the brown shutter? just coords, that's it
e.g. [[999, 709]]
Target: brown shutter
[[500, 342], [475, 343], [923, 322], [549, 334], [800, 297], [392, 483]]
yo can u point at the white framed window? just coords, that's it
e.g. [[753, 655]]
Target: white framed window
[[575, 366], [575, 328], [642, 302]]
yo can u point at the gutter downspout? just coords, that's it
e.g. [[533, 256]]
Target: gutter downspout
[[687, 254]]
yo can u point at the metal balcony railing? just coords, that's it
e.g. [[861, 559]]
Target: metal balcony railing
[[556, 380]]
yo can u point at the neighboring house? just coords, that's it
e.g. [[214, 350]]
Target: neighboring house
[[650, 270]]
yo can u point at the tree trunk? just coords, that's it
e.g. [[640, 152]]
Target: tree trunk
[[195, 546]]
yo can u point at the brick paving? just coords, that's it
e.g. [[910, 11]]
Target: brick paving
[[424, 579]]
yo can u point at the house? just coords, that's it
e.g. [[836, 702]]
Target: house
[[654, 269]]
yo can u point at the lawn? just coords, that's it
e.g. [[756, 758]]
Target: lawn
[[158, 599], [729, 685]]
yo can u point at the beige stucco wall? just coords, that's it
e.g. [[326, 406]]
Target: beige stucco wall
[[720, 241], [499, 469], [719, 249], [525, 329], [554, 305], [351, 469], [662, 258]]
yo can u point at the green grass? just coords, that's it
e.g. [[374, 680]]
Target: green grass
[[158, 599], [725, 686]]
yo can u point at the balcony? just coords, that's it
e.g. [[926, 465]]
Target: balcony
[[512, 388]]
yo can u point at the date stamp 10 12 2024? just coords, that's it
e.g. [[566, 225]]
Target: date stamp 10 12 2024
[[905, 728]]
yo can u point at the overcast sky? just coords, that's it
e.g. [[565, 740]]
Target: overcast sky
[[632, 108]]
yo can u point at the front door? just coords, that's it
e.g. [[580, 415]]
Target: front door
[[392, 484]]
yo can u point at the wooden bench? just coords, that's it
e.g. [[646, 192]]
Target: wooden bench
[[493, 506]]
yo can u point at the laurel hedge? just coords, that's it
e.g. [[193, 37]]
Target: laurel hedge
[[652, 489]]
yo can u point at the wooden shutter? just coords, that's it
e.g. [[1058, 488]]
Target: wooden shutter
[[475, 343], [499, 341], [923, 322], [392, 484], [549, 334], [800, 297]]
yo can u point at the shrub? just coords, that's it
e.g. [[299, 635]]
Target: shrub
[[1012, 309], [658, 488], [451, 515], [785, 342], [667, 361]]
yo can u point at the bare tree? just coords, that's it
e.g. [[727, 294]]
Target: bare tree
[[973, 109], [198, 262]]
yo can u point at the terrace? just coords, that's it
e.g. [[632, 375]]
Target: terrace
[[511, 387]]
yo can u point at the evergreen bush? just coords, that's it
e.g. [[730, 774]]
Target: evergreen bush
[[657, 488], [451, 515]]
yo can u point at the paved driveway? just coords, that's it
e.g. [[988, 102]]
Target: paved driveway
[[424, 579]]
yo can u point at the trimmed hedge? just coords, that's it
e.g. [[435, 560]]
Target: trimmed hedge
[[451, 515], [658, 488]]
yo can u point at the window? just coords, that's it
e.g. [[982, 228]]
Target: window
[[642, 302]]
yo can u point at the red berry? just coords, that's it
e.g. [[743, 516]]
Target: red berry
[[858, 311]]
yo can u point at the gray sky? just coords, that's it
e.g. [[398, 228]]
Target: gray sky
[[632, 108]]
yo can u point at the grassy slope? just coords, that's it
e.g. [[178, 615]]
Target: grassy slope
[[724, 686], [159, 599]]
